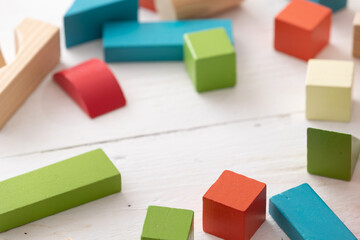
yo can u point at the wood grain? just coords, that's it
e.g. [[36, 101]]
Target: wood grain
[[38, 51], [189, 9]]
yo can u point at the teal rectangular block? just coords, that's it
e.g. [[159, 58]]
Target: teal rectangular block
[[168, 224], [331, 154], [210, 59], [56, 188], [335, 5], [155, 41], [303, 215], [84, 20]]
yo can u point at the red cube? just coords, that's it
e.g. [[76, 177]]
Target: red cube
[[234, 207], [302, 29]]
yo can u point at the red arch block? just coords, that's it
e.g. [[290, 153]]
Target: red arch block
[[92, 86]]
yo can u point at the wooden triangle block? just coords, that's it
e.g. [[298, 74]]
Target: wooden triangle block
[[332, 154]]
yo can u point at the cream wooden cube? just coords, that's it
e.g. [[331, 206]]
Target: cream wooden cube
[[328, 90]]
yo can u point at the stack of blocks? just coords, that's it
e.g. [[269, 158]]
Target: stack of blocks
[[154, 41], [328, 90], [331, 154], [303, 215], [234, 207], [335, 5], [356, 36], [168, 224], [210, 59], [302, 29]]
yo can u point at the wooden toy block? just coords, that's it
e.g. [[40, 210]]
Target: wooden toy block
[[168, 224], [190, 9], [92, 86], [210, 59], [234, 207], [37, 53], [332, 154], [303, 215], [56, 188], [156, 41], [84, 20], [334, 5], [356, 35], [328, 90], [148, 4], [302, 29], [2, 60]]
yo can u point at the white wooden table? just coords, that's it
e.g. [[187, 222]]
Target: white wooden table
[[171, 143]]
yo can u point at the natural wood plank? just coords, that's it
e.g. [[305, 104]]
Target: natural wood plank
[[38, 51], [190, 9]]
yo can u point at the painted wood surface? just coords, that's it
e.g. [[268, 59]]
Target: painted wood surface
[[170, 143]]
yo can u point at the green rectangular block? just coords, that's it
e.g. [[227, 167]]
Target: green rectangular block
[[331, 154], [56, 188], [210, 59], [168, 224]]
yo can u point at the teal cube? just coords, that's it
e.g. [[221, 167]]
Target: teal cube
[[331, 154], [168, 224], [210, 59], [335, 5]]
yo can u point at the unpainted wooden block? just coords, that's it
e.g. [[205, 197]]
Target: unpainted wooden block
[[302, 29], [56, 188], [84, 20], [234, 207], [153, 41], [191, 9], [356, 35], [334, 5], [210, 59], [37, 53], [329, 89], [92, 86], [148, 4], [168, 224], [303, 215], [332, 154]]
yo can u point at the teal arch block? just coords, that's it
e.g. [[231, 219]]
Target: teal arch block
[[84, 20], [335, 5], [303, 215], [156, 41]]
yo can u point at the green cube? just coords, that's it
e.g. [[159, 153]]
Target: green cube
[[210, 59], [168, 224], [331, 154]]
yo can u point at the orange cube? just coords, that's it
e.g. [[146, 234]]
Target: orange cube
[[302, 29], [234, 207]]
